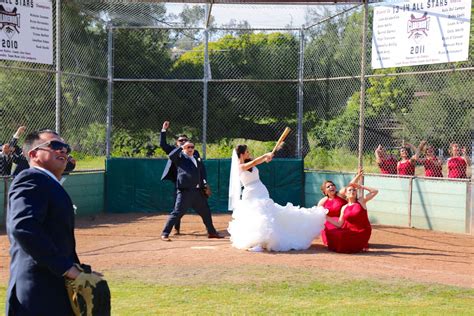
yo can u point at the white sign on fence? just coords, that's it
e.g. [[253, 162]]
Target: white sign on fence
[[26, 30], [420, 32]]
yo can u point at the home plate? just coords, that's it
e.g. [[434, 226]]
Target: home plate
[[204, 247]]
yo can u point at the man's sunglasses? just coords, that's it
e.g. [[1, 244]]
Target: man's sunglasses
[[182, 140], [54, 145], [189, 147]]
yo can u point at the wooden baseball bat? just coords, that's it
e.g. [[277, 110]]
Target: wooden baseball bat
[[281, 139]]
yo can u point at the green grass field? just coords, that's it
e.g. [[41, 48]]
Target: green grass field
[[294, 291]]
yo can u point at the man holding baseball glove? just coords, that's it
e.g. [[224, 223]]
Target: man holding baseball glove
[[191, 190], [46, 277]]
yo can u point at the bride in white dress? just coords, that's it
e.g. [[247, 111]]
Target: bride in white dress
[[257, 222]]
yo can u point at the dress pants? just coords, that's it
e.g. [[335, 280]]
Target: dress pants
[[190, 198]]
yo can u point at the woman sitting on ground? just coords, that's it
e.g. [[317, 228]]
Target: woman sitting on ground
[[354, 228], [333, 202]]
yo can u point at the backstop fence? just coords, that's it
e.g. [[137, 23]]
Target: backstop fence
[[121, 69]]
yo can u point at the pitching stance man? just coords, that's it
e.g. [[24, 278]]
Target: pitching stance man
[[40, 227], [190, 187]]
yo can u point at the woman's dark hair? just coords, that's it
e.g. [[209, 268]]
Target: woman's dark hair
[[240, 150], [323, 186], [408, 150]]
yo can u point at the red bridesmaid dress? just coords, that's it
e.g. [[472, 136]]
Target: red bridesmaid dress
[[354, 234], [457, 168], [406, 168], [388, 166], [432, 169], [334, 206]]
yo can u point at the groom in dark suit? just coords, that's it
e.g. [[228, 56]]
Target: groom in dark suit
[[190, 182], [40, 227], [169, 173]]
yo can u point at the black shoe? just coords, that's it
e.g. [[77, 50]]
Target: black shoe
[[216, 235], [176, 232]]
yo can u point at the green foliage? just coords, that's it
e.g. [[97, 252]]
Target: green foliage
[[89, 139], [388, 93], [442, 117], [141, 53], [141, 144], [339, 159], [340, 131], [223, 149]]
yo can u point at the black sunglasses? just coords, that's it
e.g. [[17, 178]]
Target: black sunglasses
[[54, 145], [182, 140], [189, 147]]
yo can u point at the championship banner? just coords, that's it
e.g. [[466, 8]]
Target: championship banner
[[26, 31], [420, 32]]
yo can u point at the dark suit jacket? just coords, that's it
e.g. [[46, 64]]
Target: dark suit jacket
[[188, 176], [40, 227], [5, 164], [169, 173], [18, 158], [6, 161]]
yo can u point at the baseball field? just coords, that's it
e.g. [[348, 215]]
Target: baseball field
[[406, 271]]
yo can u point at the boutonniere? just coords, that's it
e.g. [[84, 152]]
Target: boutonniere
[[199, 159]]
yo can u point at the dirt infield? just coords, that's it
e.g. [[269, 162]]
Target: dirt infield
[[130, 242]]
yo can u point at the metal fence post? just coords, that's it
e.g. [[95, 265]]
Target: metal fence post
[[299, 146], [470, 193], [362, 84], [469, 209], [58, 66], [110, 82], [410, 200], [205, 87]]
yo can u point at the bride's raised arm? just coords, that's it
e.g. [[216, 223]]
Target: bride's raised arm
[[263, 158]]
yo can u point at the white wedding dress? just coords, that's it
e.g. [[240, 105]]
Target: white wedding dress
[[258, 222]]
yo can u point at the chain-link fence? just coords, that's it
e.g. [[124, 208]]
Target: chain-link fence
[[127, 67]]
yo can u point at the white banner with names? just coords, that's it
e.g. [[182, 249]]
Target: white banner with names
[[420, 32], [26, 30]]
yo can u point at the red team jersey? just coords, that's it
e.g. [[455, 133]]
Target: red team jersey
[[388, 165], [457, 168], [406, 168], [432, 168]]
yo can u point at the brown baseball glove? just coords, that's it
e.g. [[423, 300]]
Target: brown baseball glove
[[89, 294], [206, 191]]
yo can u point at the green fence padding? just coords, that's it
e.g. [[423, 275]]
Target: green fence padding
[[390, 206], [314, 179], [436, 204], [224, 172], [86, 191], [284, 179], [439, 205], [134, 185], [212, 169]]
